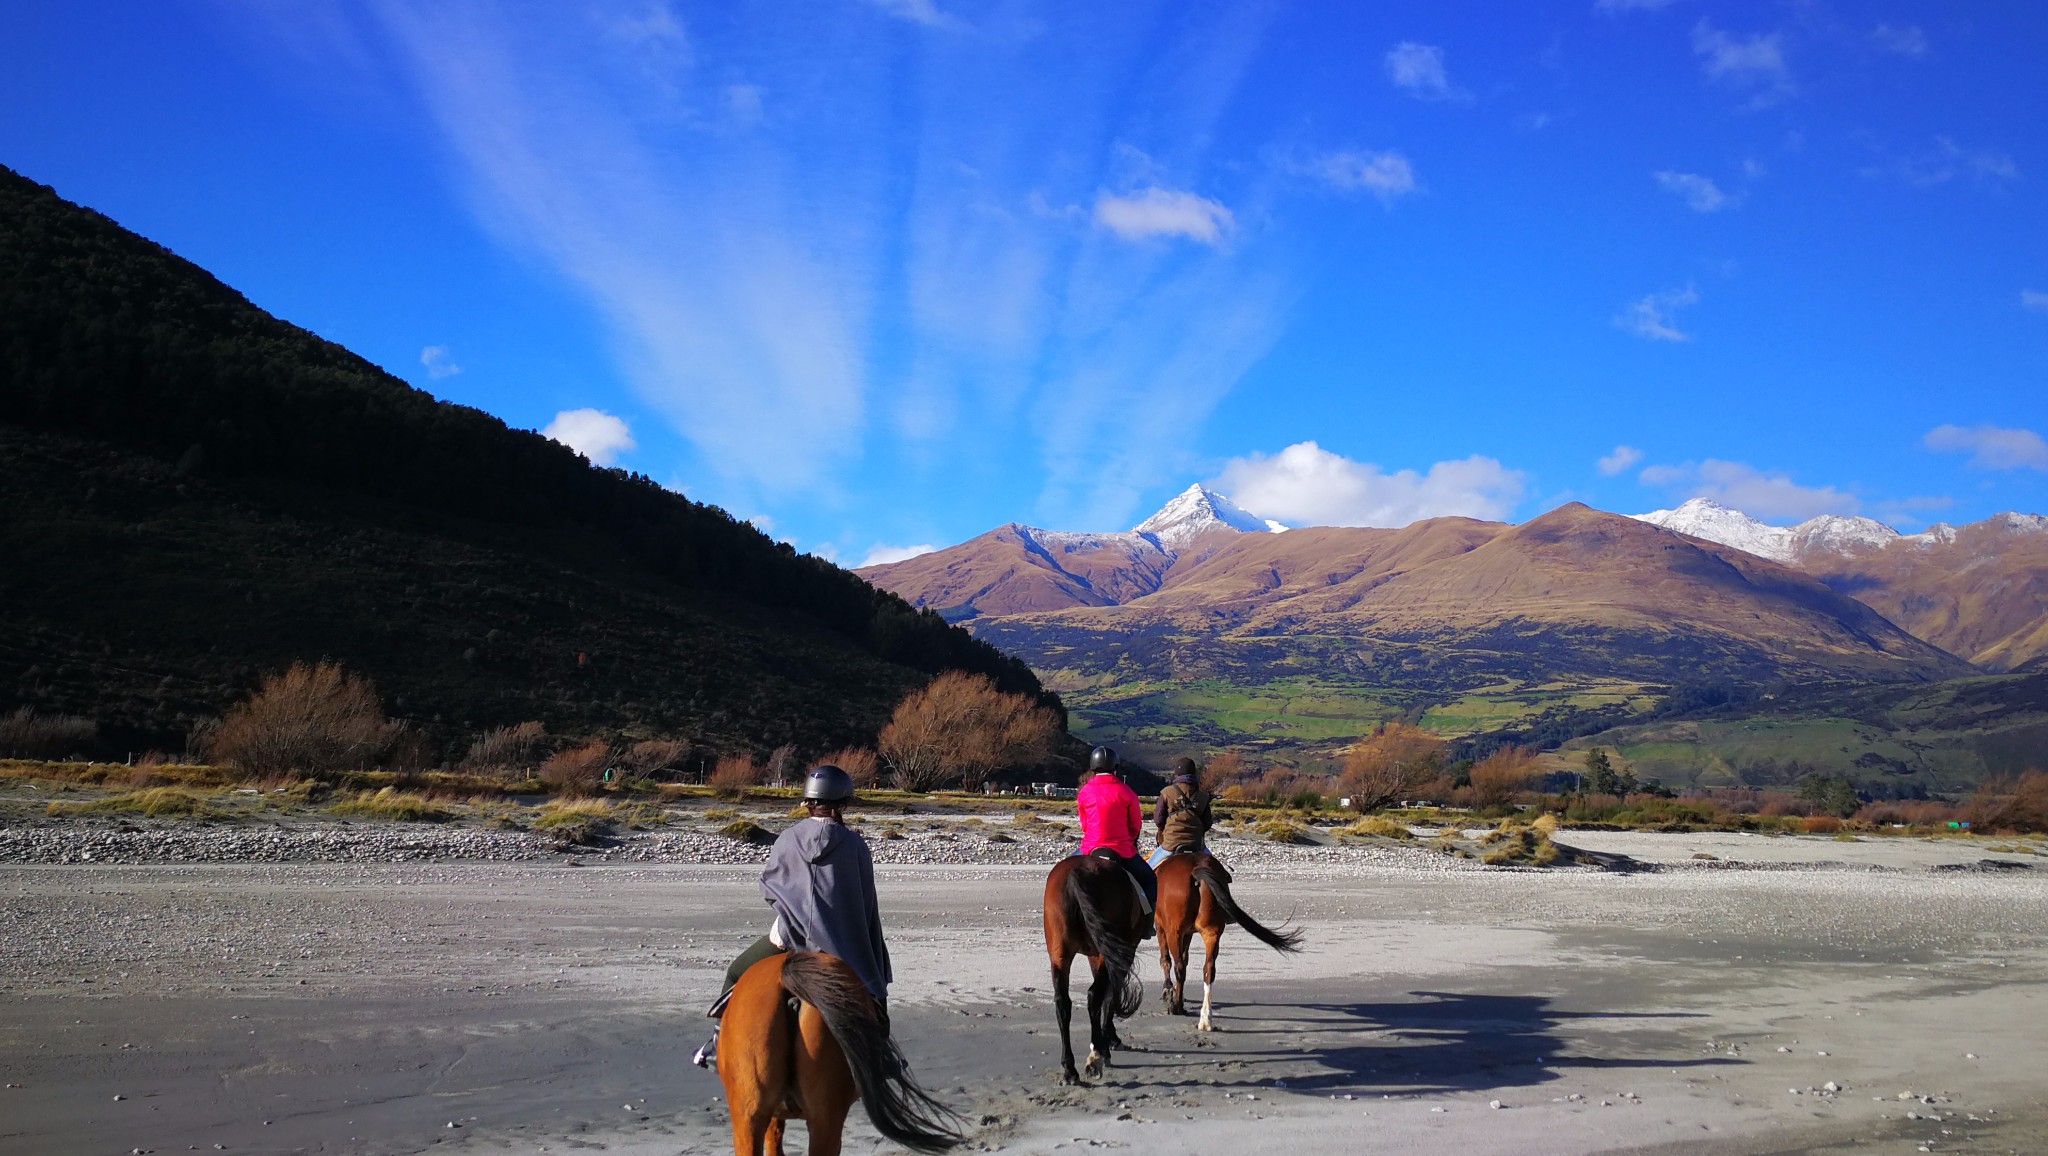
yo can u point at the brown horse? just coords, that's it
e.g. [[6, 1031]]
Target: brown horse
[[801, 1039], [1092, 909], [1194, 895]]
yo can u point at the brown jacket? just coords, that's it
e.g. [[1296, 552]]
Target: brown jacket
[[1181, 816]]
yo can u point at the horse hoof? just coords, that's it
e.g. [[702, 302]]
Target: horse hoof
[[1069, 1076], [1093, 1068], [1205, 1026]]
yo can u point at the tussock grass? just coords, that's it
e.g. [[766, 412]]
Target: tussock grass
[[746, 831], [722, 814], [153, 803], [1379, 826], [1280, 830], [1521, 844], [392, 805]]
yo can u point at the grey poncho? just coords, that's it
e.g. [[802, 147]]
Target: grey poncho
[[821, 881]]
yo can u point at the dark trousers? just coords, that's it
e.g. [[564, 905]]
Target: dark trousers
[[760, 950]]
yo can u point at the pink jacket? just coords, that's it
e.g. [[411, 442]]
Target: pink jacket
[[1109, 816]]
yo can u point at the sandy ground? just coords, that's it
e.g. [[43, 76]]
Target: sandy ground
[[539, 1007]]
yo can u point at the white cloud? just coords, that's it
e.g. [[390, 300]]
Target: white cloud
[[881, 554], [1946, 161], [438, 362], [1157, 212], [1655, 317], [1758, 493], [1631, 5], [1622, 458], [1418, 70], [1755, 64], [593, 433], [1307, 485], [1701, 194], [916, 11], [2034, 299], [1905, 41], [1386, 175], [1991, 447], [743, 103]]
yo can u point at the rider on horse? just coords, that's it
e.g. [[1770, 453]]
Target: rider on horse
[[1111, 821], [1182, 816], [820, 881]]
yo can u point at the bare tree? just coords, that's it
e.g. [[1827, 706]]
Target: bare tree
[[782, 764], [1500, 776], [959, 728], [577, 770], [1389, 764], [734, 774], [858, 762], [506, 748], [310, 718]]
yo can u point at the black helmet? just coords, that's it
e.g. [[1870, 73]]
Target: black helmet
[[1102, 759], [1184, 766], [827, 784]]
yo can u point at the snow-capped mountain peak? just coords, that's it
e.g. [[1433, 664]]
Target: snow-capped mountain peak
[[1196, 511], [1825, 533]]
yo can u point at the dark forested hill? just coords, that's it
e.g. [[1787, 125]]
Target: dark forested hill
[[196, 492]]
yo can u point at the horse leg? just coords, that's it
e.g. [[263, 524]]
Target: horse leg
[[1185, 936], [754, 1059], [1063, 1010], [824, 1082], [1099, 1012], [771, 1137], [1166, 989], [1212, 939]]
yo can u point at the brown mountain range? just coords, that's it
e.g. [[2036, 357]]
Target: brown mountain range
[[1980, 592]]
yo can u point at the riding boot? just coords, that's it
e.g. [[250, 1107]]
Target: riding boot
[[707, 1056]]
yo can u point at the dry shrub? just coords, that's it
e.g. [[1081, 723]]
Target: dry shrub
[[28, 735], [1226, 766], [1390, 764], [506, 748], [2010, 804], [960, 728], [155, 803], [859, 763], [577, 770], [654, 756], [734, 774], [1910, 812], [1820, 824], [1500, 776], [315, 718]]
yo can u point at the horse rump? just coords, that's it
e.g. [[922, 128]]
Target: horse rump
[[1209, 876], [898, 1108], [1086, 882]]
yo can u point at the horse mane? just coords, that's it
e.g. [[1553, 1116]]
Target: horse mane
[[896, 1105], [1119, 951]]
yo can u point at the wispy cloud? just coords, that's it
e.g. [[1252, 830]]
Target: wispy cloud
[[1700, 193], [1386, 174], [1945, 161], [1418, 70], [1157, 212], [595, 434], [881, 554], [2034, 299], [1991, 447], [1656, 316], [1902, 40], [1621, 459], [1307, 485], [1631, 5], [916, 11], [1754, 65], [1759, 493], [439, 362]]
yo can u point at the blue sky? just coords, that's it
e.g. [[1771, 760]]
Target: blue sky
[[886, 273]]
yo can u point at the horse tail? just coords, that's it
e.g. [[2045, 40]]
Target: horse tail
[[899, 1109], [1119, 952], [1284, 940]]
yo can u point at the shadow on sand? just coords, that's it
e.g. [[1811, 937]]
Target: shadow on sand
[[1438, 1042]]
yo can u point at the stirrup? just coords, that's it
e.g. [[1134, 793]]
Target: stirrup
[[707, 1056]]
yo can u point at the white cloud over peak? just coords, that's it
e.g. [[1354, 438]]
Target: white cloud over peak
[[1157, 212], [1386, 175], [1418, 70], [1753, 64], [439, 362], [1307, 485], [1701, 194], [881, 554], [1759, 493], [1991, 447], [593, 433], [1621, 459], [1655, 316]]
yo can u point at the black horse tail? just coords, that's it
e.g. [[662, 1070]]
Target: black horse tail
[[1119, 951], [899, 1109], [1210, 877]]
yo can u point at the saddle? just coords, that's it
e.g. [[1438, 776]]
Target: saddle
[[1137, 888]]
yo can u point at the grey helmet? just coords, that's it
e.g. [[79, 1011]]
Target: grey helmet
[[1102, 759], [827, 784]]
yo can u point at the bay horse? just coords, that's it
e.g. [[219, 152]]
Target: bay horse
[[1092, 909], [1194, 895], [801, 1039]]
